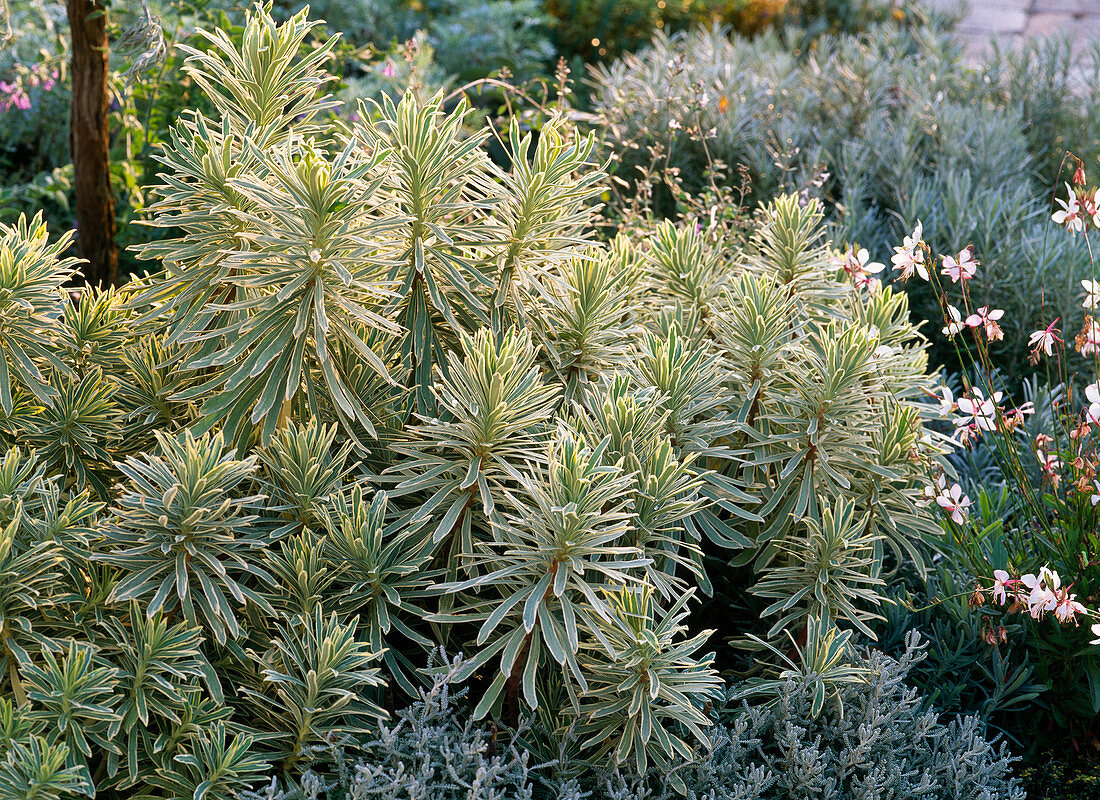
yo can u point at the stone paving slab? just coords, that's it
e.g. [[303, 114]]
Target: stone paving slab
[[1012, 22]]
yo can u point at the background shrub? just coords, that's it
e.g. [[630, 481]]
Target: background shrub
[[888, 126]]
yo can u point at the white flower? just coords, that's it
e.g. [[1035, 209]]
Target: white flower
[[1070, 212], [1000, 581], [947, 401], [931, 491], [978, 410], [954, 322], [856, 263], [1045, 339], [1095, 632], [1092, 291], [1043, 596], [961, 269], [1092, 393], [910, 257], [954, 503]]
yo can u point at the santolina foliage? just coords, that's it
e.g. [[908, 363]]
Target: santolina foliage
[[378, 394]]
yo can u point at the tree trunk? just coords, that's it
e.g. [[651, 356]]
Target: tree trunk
[[90, 144]]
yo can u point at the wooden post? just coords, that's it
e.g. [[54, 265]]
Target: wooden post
[[89, 142]]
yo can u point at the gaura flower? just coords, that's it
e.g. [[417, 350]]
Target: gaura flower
[[1042, 596], [1088, 340], [932, 491], [1095, 632], [984, 318], [947, 401], [1001, 581], [1045, 340], [1092, 291], [961, 269], [1051, 465], [1070, 212], [954, 321], [910, 257], [979, 410], [1092, 394], [954, 503], [860, 269], [1068, 608]]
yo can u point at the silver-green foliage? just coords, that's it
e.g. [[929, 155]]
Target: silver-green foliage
[[885, 744]]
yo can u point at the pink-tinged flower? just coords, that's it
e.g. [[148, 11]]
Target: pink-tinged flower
[[931, 492], [961, 269], [1092, 207], [1051, 465], [856, 264], [1088, 340], [954, 322], [1001, 581], [910, 257], [1043, 594], [1045, 340], [979, 410], [1070, 212], [1092, 394], [1068, 608], [947, 401], [984, 318], [388, 69], [1092, 291], [954, 503], [1015, 418]]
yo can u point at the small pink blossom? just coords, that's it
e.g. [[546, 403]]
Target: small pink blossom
[[1068, 608], [986, 319], [962, 268], [856, 263], [954, 503]]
